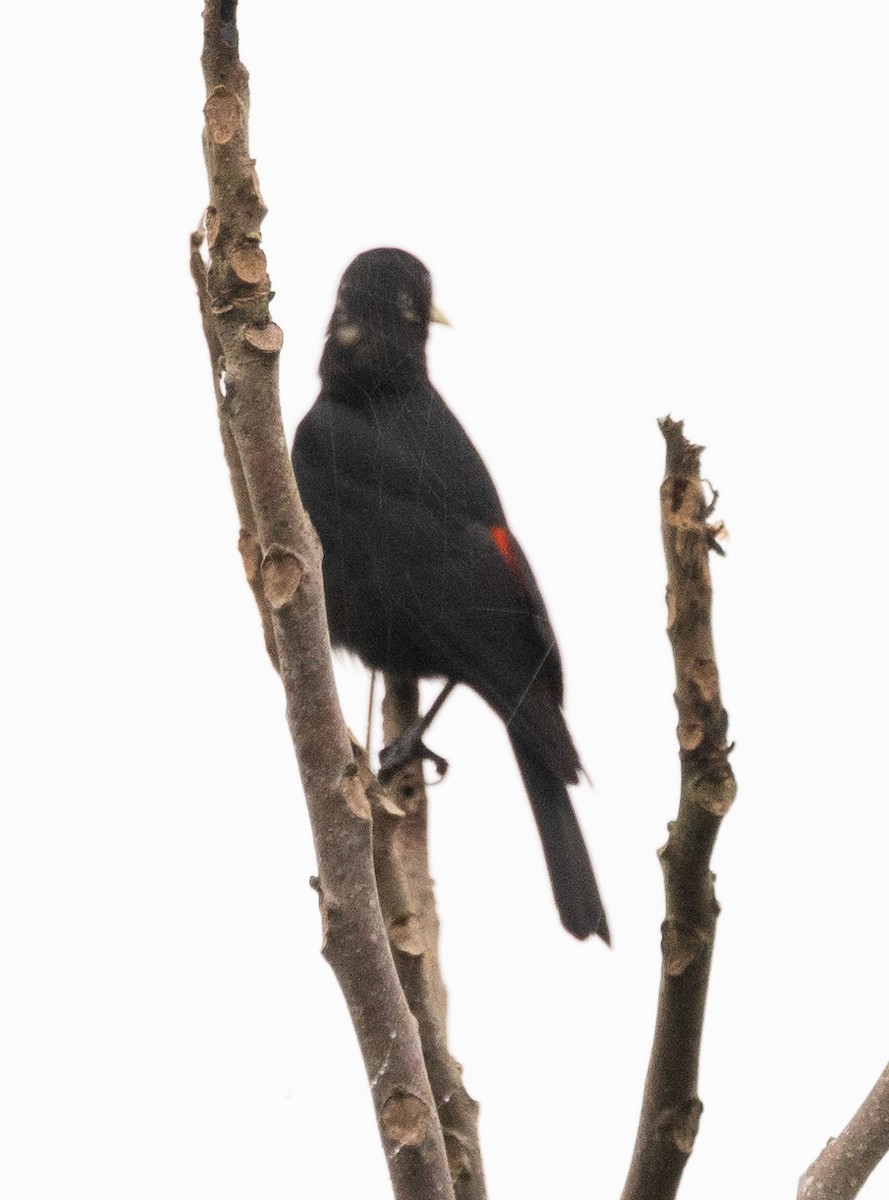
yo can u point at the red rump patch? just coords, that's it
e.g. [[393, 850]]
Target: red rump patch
[[503, 542]]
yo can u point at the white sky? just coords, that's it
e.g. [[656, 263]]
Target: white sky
[[627, 210]]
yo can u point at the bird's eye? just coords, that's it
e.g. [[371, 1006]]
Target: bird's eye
[[406, 307]]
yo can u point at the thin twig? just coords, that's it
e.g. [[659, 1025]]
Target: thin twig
[[841, 1169], [372, 691], [671, 1108], [283, 563]]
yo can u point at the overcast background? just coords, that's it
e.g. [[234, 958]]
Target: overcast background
[[628, 210]]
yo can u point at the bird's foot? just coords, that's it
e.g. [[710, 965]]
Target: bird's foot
[[409, 747]]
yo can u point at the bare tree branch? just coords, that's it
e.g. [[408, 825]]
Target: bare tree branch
[[670, 1106], [841, 1169], [247, 543], [283, 562], [412, 921]]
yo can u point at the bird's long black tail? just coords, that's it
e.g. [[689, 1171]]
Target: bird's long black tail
[[567, 859]]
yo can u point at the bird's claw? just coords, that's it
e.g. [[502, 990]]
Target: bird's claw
[[406, 749]]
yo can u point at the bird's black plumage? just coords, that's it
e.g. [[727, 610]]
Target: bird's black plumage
[[422, 575]]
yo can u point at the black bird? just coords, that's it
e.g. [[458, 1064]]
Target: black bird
[[422, 574]]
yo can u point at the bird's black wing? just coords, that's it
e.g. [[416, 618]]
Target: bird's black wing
[[421, 572]]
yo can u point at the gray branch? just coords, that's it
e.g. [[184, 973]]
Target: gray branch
[[671, 1108], [841, 1169], [283, 564]]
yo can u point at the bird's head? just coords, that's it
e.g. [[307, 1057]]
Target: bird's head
[[380, 323]]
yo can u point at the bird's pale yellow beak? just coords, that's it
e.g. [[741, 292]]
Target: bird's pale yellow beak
[[436, 315]]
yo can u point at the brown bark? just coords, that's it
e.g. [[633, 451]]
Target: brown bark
[[408, 899], [247, 543], [670, 1107], [841, 1169], [283, 563]]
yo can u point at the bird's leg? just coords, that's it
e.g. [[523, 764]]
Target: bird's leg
[[370, 710], [409, 745]]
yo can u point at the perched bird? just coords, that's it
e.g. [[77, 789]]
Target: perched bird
[[422, 575]]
